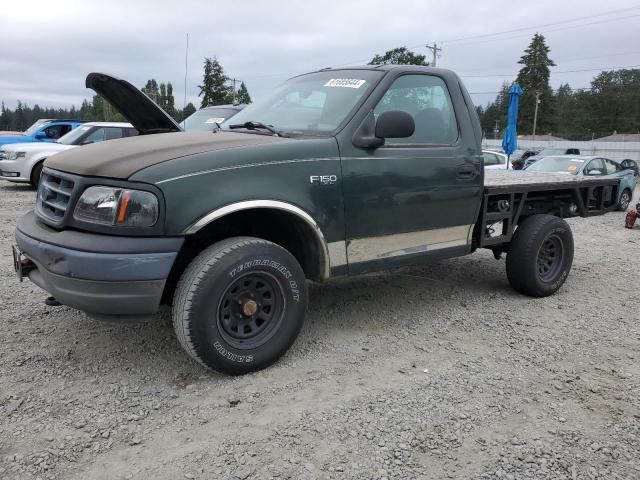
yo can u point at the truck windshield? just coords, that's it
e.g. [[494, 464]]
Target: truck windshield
[[557, 165], [313, 104]]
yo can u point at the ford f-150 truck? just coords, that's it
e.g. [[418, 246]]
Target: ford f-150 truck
[[337, 172]]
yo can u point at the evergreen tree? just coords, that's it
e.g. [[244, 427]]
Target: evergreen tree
[[534, 78], [19, 118], [97, 113], [162, 98], [170, 106], [151, 90], [189, 110], [214, 90], [243, 96], [399, 56]]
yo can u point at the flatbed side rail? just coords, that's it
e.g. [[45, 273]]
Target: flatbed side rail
[[502, 211]]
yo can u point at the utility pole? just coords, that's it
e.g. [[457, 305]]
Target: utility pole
[[535, 115], [496, 130], [436, 52]]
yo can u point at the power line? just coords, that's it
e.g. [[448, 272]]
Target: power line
[[577, 89], [553, 72], [610, 12]]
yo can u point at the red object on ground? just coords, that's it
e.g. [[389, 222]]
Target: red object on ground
[[632, 216]]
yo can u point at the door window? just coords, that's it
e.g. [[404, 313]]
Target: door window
[[595, 167], [113, 133], [98, 135], [56, 131], [491, 159], [427, 100], [612, 167]]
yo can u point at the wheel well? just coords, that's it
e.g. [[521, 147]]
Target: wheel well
[[35, 165], [278, 226]]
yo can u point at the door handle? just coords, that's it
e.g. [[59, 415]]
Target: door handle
[[466, 172]]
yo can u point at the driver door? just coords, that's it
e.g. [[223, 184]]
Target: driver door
[[413, 197]]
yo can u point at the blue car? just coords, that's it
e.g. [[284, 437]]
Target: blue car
[[590, 166], [44, 130]]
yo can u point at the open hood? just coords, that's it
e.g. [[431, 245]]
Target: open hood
[[139, 110]]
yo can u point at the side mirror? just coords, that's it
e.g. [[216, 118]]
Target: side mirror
[[394, 124], [40, 135]]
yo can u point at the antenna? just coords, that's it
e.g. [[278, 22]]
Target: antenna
[[186, 54]]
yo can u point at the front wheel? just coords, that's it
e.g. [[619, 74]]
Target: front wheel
[[36, 173], [540, 255], [625, 200], [239, 305]]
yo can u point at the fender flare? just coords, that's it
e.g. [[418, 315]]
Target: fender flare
[[269, 204]]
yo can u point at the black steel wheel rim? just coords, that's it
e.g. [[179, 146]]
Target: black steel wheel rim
[[250, 310], [625, 200], [550, 258]]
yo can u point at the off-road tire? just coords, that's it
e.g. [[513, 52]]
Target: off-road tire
[[35, 174], [540, 255], [202, 311], [625, 200]]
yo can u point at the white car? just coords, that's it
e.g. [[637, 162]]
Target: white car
[[494, 160], [22, 162]]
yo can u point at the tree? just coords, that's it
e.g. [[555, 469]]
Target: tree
[[151, 89], [214, 90], [615, 101], [242, 96], [495, 113], [170, 103], [189, 109], [533, 77], [162, 98], [399, 56], [98, 109]]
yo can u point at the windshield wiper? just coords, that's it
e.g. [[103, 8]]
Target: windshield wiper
[[251, 125]]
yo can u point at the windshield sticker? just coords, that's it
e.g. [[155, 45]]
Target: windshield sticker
[[218, 120], [345, 82]]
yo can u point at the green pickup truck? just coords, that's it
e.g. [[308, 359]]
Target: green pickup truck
[[337, 172]]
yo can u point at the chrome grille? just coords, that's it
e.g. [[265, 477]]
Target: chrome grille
[[54, 195]]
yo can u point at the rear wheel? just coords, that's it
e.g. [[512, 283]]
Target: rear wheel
[[239, 305], [540, 255], [625, 200], [35, 174]]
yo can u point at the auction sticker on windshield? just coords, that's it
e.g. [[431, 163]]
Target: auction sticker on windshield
[[345, 82]]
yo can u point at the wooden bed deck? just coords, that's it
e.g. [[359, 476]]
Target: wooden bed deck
[[498, 181]]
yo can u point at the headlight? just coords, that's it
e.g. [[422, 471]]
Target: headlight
[[117, 206], [16, 155]]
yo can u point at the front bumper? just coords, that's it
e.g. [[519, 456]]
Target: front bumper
[[99, 274], [12, 170]]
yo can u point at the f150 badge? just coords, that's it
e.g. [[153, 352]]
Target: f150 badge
[[323, 179]]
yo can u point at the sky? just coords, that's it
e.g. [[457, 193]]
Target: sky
[[47, 48]]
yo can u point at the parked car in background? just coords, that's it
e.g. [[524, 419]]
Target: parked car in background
[[519, 160], [22, 162], [548, 152], [44, 130], [208, 119], [629, 164], [590, 166], [494, 160]]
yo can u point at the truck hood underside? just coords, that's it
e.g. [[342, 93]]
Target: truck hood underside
[[122, 158]]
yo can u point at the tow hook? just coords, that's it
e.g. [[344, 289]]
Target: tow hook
[[52, 302]]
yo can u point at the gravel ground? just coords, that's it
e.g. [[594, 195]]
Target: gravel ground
[[428, 372]]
